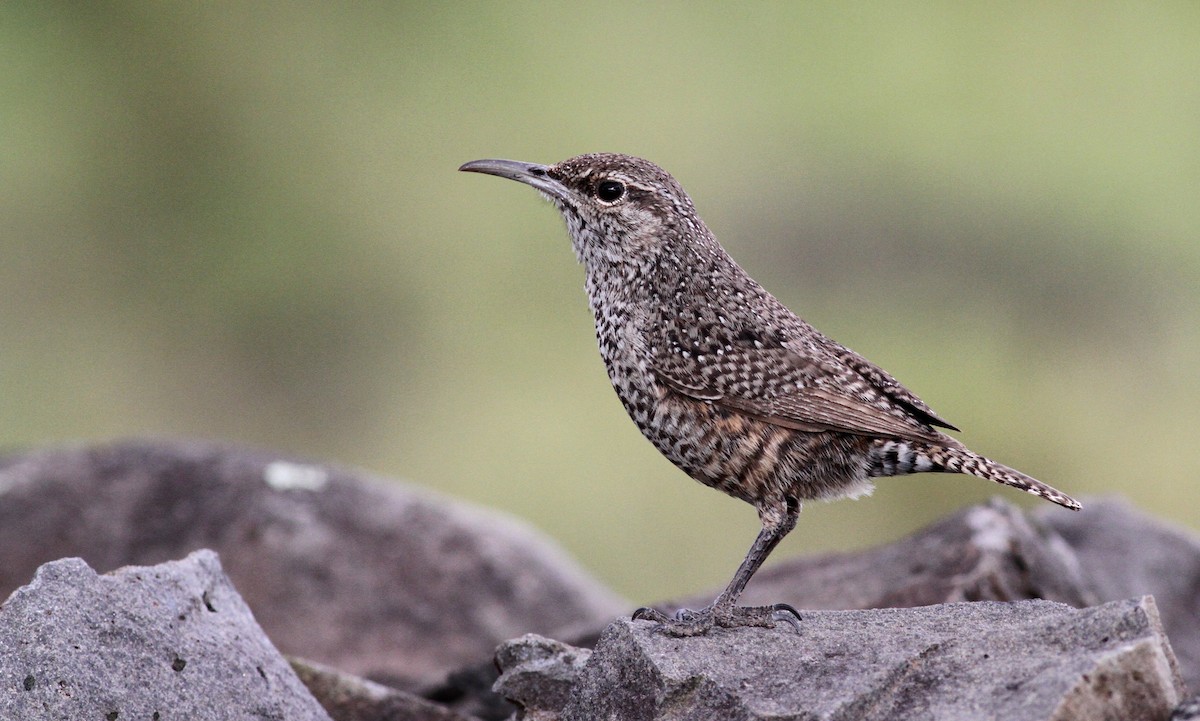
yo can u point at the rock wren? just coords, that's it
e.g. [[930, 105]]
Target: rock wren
[[725, 381]]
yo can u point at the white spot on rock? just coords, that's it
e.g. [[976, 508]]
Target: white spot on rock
[[991, 530], [284, 476]]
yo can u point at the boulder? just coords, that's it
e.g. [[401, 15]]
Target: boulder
[[173, 641], [540, 674], [403, 586], [1125, 553], [1022, 661], [379, 579], [992, 552]]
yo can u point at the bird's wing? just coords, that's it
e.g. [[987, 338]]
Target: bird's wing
[[789, 388], [889, 386]]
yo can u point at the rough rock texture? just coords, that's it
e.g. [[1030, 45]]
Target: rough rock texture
[[376, 579], [994, 552], [539, 674], [1014, 661], [1127, 553], [174, 641], [350, 698], [402, 586]]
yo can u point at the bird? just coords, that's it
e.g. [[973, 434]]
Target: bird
[[724, 380]]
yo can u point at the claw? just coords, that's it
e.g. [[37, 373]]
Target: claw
[[645, 613], [785, 612]]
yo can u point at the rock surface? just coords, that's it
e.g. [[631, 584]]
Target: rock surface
[[1014, 661], [540, 674], [174, 641], [380, 580], [350, 698], [415, 590], [1127, 553], [995, 552]]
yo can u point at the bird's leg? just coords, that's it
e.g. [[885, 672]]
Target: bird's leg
[[777, 522]]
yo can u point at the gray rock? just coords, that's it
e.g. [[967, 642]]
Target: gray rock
[[990, 552], [540, 674], [996, 552], [350, 698], [1127, 553], [1107, 552], [1014, 661], [379, 579], [173, 641]]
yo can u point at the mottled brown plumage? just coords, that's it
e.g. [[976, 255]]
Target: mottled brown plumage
[[725, 381]]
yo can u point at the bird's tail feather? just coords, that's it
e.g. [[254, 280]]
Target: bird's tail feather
[[894, 458]]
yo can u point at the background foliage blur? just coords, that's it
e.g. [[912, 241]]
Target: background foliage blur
[[242, 221]]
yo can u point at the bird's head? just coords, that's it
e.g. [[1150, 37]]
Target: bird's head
[[620, 210]]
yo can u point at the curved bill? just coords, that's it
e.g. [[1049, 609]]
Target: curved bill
[[528, 173]]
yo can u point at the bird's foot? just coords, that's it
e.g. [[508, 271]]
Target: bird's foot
[[686, 622]]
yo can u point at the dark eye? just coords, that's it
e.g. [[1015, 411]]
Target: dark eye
[[610, 191]]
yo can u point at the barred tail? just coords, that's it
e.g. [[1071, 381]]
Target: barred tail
[[894, 458]]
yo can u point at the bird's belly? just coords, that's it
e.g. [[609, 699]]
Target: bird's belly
[[745, 457]]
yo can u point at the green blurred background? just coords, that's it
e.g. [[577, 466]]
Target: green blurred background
[[242, 221]]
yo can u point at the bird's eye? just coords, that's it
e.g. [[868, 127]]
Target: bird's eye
[[610, 191]]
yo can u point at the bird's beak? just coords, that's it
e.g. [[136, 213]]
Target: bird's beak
[[528, 173]]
